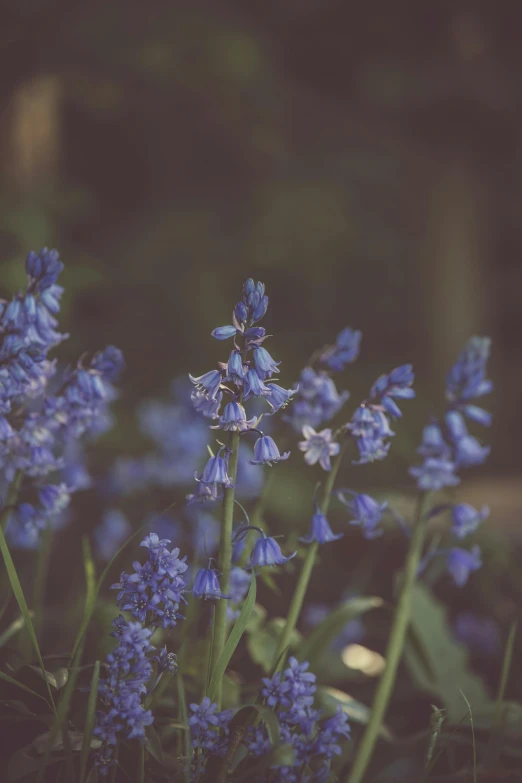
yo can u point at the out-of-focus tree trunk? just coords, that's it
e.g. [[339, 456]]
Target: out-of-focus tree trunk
[[31, 134], [454, 272]]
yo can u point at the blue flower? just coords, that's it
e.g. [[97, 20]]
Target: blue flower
[[435, 474], [394, 385], [208, 727], [467, 378], [366, 512], [215, 472], [235, 371], [111, 533], [43, 269], [318, 447], [317, 401], [433, 443], [254, 386], [267, 552], [206, 584], [462, 562], [466, 519], [320, 530], [345, 351], [266, 452], [206, 404], [209, 382], [264, 364], [370, 428], [239, 584], [279, 397], [224, 332], [234, 418]]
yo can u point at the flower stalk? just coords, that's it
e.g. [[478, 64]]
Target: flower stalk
[[225, 561], [298, 597], [395, 644]]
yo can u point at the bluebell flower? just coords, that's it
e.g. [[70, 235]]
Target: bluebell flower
[[43, 269], [54, 498], [155, 590], [318, 447], [345, 351], [206, 404], [433, 443], [279, 397], [216, 472], [254, 386], [109, 363], [122, 690], [224, 332], [365, 510], [320, 530], [209, 382], [209, 727], [235, 371], [461, 562], [435, 474], [239, 584], [234, 418], [264, 364], [466, 519], [165, 660], [370, 428], [396, 384], [317, 401], [467, 378], [267, 552], [206, 584], [266, 452]]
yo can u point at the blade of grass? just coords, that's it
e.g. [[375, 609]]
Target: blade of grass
[[22, 603], [495, 740], [472, 737], [89, 721], [12, 681], [187, 749]]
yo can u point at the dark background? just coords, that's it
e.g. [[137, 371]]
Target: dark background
[[363, 160]]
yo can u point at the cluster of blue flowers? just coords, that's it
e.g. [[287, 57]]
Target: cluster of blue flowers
[[247, 374], [43, 416], [129, 668], [447, 447], [318, 400], [291, 695], [154, 592]]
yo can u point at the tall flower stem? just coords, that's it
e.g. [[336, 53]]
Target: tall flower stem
[[225, 560], [395, 645], [308, 565]]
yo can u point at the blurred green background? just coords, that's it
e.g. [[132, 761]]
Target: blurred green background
[[363, 160]]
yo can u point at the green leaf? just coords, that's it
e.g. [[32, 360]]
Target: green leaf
[[331, 698], [17, 684], [263, 642], [91, 592], [437, 663], [90, 717], [24, 609], [319, 640], [57, 679], [233, 640], [13, 629]]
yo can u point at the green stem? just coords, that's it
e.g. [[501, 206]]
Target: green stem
[[298, 597], [40, 577], [225, 560], [10, 501], [395, 646]]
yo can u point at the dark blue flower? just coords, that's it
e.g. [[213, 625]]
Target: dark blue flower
[[254, 386], [345, 351], [279, 397], [206, 404], [43, 268], [234, 418], [235, 371], [462, 562], [467, 378], [209, 728], [435, 474], [396, 384], [466, 519], [318, 447], [366, 512], [320, 530], [215, 472], [317, 401], [224, 332], [266, 452], [206, 584], [209, 382], [109, 363], [267, 552], [264, 364]]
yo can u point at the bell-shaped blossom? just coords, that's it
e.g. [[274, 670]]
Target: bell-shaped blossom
[[267, 552], [320, 530], [266, 452]]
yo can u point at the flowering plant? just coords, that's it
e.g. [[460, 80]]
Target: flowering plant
[[201, 683]]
